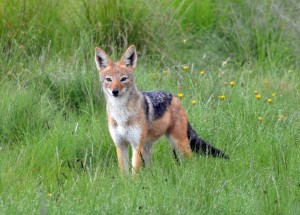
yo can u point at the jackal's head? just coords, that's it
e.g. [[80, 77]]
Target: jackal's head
[[116, 77]]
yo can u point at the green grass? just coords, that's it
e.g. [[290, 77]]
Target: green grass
[[56, 155]]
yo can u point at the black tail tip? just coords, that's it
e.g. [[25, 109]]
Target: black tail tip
[[226, 156], [222, 155]]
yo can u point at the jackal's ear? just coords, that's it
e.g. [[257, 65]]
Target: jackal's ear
[[101, 58], [129, 57]]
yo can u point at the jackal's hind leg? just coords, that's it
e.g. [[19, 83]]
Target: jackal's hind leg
[[147, 153], [180, 144]]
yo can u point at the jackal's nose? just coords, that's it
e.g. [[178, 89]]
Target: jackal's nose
[[115, 92]]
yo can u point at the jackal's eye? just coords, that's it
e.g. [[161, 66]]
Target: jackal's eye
[[123, 79], [108, 79]]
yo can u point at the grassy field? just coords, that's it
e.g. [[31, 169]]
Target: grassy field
[[235, 63]]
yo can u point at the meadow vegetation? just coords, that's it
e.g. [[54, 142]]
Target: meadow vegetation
[[235, 65]]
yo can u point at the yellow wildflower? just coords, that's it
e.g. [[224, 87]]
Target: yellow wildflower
[[194, 102], [273, 94], [180, 95], [258, 96], [202, 72], [231, 83], [222, 97], [260, 118], [185, 67], [270, 100]]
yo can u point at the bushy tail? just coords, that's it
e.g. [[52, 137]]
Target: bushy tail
[[198, 145]]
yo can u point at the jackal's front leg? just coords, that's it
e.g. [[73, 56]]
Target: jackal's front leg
[[137, 139], [137, 160], [141, 158], [122, 153], [138, 155]]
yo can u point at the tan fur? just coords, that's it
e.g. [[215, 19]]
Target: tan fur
[[178, 127], [127, 121]]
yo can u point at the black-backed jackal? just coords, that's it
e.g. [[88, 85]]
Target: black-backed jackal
[[140, 118]]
